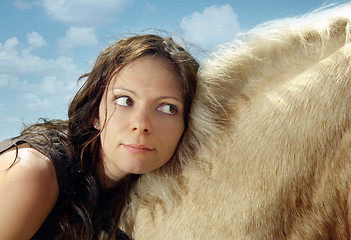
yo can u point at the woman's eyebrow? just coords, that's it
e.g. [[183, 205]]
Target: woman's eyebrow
[[125, 89], [170, 97], [159, 98]]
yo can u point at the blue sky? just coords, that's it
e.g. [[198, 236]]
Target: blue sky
[[45, 45]]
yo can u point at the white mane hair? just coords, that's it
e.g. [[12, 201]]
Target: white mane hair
[[267, 154]]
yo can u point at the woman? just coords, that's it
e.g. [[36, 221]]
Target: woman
[[71, 179]]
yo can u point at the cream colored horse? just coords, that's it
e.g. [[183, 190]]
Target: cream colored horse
[[270, 136]]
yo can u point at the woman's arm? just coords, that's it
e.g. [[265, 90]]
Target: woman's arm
[[28, 192]]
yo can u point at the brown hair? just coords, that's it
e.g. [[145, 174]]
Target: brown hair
[[85, 105]]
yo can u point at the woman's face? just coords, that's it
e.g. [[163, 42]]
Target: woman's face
[[141, 118]]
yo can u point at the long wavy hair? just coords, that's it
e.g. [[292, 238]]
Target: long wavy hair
[[85, 138], [88, 211]]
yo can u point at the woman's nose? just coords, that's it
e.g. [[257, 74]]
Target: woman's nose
[[141, 122]]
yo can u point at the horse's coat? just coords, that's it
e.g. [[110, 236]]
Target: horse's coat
[[271, 121]]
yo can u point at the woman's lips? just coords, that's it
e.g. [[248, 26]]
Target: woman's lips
[[135, 148]]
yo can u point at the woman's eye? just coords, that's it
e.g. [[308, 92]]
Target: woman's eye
[[124, 101], [168, 109]]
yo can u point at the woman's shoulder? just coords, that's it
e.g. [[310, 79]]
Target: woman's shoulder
[[49, 143], [28, 190], [28, 163]]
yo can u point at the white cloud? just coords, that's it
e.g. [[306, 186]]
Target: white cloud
[[36, 40], [149, 7], [25, 4], [33, 102], [77, 37], [9, 44], [48, 84], [23, 62], [4, 80], [213, 26], [20, 4], [85, 12], [10, 119], [32, 86], [17, 59], [2, 108]]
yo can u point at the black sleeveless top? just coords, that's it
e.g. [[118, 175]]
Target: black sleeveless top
[[51, 146]]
